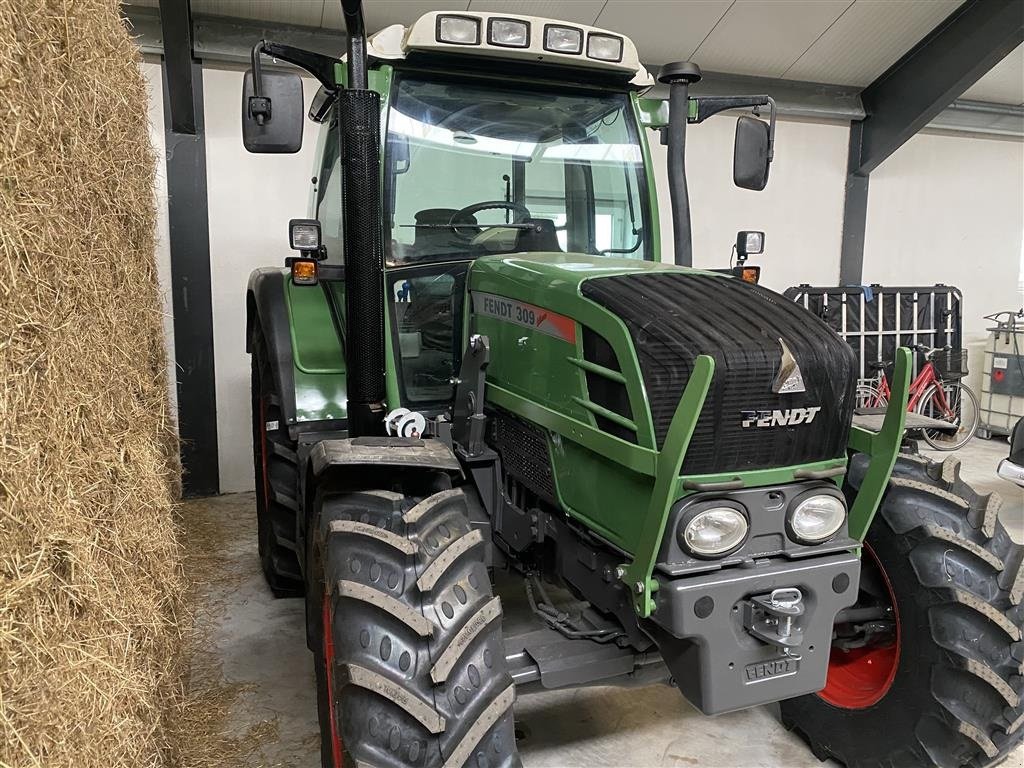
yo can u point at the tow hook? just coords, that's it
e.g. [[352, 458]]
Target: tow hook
[[772, 618]]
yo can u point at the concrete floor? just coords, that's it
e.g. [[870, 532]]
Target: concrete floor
[[257, 646]]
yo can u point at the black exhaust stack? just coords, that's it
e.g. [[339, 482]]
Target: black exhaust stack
[[678, 77], [359, 121]]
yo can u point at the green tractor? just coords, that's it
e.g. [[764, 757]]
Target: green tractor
[[499, 445]]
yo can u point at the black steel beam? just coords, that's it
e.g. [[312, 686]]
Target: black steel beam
[[912, 93], [191, 293], [855, 214], [953, 57], [176, 31]]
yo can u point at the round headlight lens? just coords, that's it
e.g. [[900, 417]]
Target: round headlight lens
[[817, 518], [714, 532]]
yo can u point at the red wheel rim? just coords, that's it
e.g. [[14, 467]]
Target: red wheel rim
[[329, 672], [861, 677]]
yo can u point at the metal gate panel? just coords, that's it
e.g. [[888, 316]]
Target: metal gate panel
[[876, 319]]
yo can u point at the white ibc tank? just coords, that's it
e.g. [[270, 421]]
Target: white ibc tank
[[1002, 382]]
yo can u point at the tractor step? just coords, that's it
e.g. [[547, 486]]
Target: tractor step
[[583, 650], [547, 657]]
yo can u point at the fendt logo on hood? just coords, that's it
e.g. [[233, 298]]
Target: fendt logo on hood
[[790, 417]]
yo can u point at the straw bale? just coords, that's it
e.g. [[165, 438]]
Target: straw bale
[[91, 583]]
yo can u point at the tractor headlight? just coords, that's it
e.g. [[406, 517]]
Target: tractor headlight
[[814, 519], [560, 39], [509, 33], [713, 531], [458, 30], [604, 47]]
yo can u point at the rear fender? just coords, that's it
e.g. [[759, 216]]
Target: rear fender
[[311, 379], [266, 304]]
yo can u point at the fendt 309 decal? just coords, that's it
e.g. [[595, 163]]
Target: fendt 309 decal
[[526, 315]]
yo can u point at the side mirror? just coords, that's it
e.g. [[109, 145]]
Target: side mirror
[[272, 121], [751, 154]]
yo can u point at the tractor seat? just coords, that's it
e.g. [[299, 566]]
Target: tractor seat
[[432, 240]]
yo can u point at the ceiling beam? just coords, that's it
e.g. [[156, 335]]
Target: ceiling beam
[[230, 40], [219, 38], [914, 92], [176, 25], [933, 74]]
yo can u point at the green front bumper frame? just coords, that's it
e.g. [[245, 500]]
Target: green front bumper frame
[[881, 447]]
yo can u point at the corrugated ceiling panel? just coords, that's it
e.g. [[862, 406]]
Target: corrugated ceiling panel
[[306, 13], [1004, 83], [579, 11], [663, 30], [764, 38], [868, 39], [381, 14]]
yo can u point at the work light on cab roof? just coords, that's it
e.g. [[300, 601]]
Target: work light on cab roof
[[526, 38]]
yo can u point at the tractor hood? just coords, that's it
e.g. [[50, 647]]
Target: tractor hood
[[556, 274], [783, 389]]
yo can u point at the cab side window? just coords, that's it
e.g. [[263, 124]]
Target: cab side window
[[328, 196]]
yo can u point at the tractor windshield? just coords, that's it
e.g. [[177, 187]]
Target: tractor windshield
[[474, 170]]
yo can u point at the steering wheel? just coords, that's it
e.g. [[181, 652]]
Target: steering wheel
[[459, 218]]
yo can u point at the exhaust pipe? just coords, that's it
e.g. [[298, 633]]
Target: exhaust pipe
[[359, 120], [679, 76]]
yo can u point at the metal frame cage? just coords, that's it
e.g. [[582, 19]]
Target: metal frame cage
[[876, 319]]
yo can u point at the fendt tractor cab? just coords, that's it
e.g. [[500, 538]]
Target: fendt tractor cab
[[499, 444]]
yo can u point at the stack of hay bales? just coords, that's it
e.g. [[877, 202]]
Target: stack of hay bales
[[90, 568]]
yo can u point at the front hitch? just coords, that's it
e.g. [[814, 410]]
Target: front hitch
[[773, 618]]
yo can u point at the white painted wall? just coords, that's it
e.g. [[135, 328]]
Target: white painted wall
[[251, 199], [152, 71], [950, 209], [800, 212]]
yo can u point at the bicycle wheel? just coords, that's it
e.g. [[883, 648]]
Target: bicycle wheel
[[868, 396], [958, 406]]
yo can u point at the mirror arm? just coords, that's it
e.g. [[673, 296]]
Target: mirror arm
[[318, 65], [712, 105], [771, 129]]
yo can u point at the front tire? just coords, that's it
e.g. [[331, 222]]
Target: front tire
[[956, 581], [409, 655]]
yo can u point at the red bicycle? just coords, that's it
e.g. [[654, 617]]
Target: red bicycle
[[937, 392]]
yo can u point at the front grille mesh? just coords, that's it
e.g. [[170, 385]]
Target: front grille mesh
[[523, 448]]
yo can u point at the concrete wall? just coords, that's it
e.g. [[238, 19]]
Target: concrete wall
[[942, 209], [950, 209]]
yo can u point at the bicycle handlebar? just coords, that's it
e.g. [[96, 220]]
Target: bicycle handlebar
[[930, 351]]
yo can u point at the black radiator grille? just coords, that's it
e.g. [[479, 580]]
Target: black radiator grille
[[602, 390], [673, 316], [523, 449]]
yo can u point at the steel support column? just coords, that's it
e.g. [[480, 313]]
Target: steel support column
[[176, 31], [191, 292], [912, 92]]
